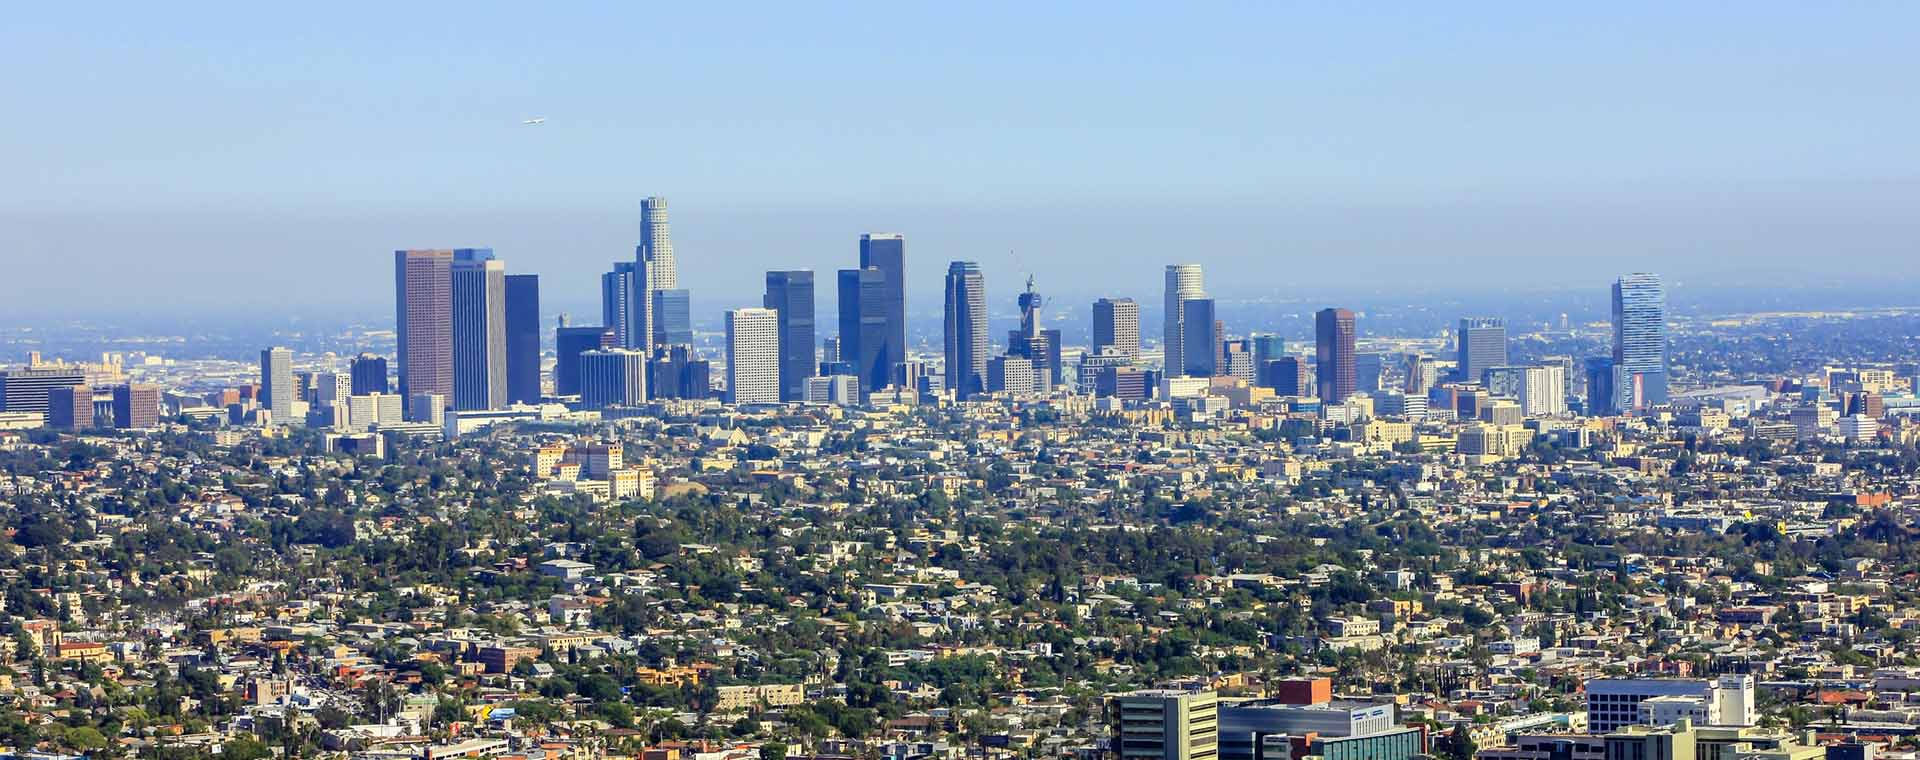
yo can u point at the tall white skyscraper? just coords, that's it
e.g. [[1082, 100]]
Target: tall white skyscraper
[[1184, 284], [276, 383], [753, 356], [655, 269], [479, 330]]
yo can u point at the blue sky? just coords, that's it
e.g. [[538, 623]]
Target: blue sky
[[263, 156]]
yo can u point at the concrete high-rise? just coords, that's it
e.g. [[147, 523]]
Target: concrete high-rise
[[1199, 345], [618, 294], [863, 326], [70, 407], [369, 375], [612, 377], [25, 390], [1184, 283], [479, 301], [1116, 327], [1333, 342], [1164, 724], [753, 356], [1480, 343], [1639, 341], [790, 294], [277, 392], [136, 406], [423, 320], [965, 332], [569, 343], [523, 338], [887, 252]]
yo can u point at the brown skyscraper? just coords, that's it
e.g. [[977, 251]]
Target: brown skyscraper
[[423, 316], [1333, 349], [136, 406]]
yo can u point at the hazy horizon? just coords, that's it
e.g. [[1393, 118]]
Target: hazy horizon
[[246, 161]]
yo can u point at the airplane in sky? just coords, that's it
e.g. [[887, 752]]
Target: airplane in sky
[[535, 121]]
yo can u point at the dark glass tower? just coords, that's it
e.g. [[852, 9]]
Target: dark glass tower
[[791, 294], [1200, 347], [863, 326], [672, 318], [523, 338], [888, 253], [1333, 338], [568, 344], [965, 344]]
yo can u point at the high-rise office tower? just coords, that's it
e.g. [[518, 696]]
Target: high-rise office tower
[[1267, 347], [1600, 389], [676, 373], [1481, 343], [479, 329], [863, 326], [276, 384], [569, 343], [830, 349], [1368, 368], [25, 389], [369, 374], [1013, 374], [1198, 348], [965, 331], [790, 294], [618, 293], [1237, 356], [1183, 283], [1333, 339], [1419, 370], [887, 252], [1116, 327], [753, 356], [523, 338], [136, 406], [423, 320], [672, 317], [1287, 376], [612, 377], [1165, 724], [656, 245], [1639, 341], [655, 269], [70, 407]]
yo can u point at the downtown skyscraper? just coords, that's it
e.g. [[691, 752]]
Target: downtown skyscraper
[[965, 329], [1200, 343], [277, 390], [1481, 343], [1184, 283], [790, 295], [1333, 342], [423, 320], [523, 338], [479, 309], [863, 326], [655, 269], [887, 252], [1639, 342], [753, 356], [619, 291], [1116, 327]]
